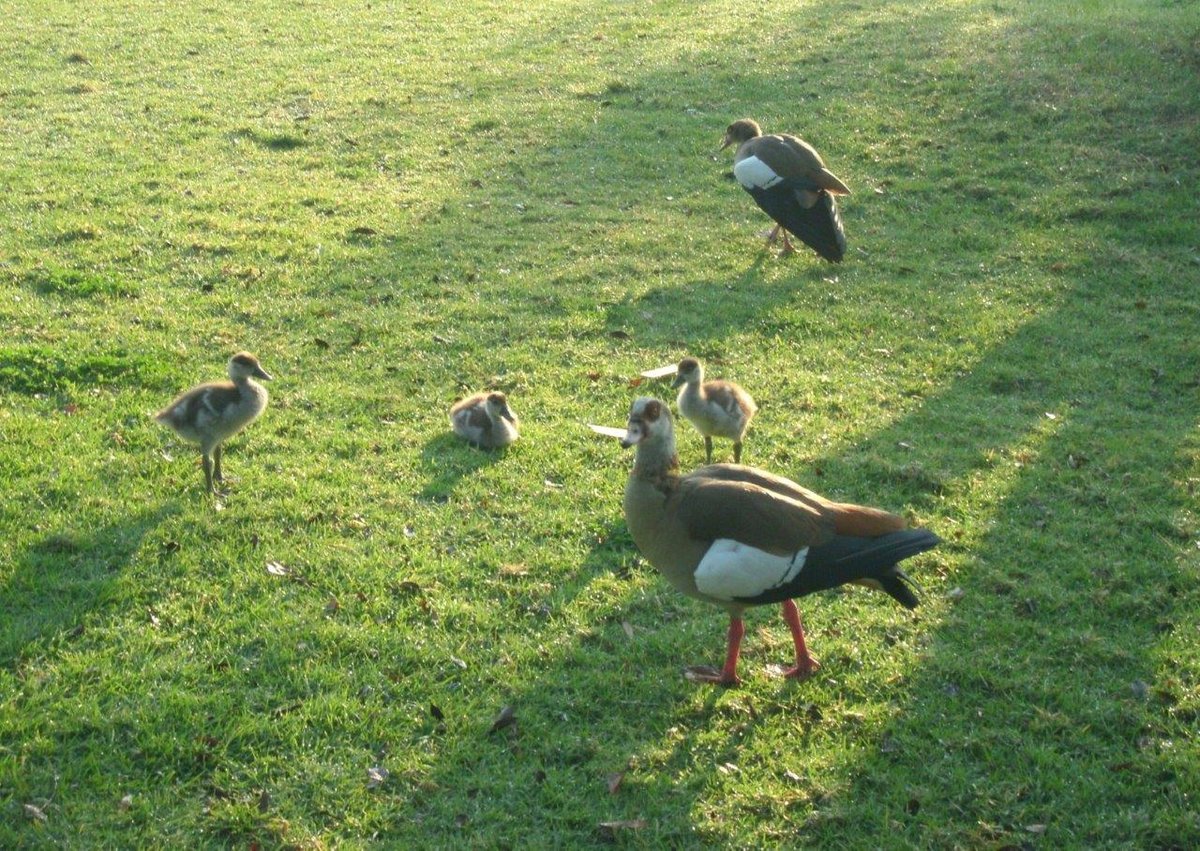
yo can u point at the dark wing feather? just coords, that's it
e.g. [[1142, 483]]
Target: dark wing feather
[[818, 226], [711, 508], [813, 166], [845, 559], [848, 519]]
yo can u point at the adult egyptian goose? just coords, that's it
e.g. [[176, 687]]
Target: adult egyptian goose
[[788, 179], [740, 537], [484, 420], [211, 413], [715, 408]]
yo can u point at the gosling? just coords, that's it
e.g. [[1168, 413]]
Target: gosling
[[211, 413], [715, 408], [484, 420]]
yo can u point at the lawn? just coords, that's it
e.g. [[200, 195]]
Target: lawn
[[383, 636]]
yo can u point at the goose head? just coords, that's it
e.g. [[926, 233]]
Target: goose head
[[650, 427], [740, 131]]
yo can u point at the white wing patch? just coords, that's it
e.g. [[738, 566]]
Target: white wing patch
[[731, 570], [753, 173]]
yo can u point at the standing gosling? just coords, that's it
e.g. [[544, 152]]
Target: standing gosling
[[715, 408], [211, 413], [484, 420]]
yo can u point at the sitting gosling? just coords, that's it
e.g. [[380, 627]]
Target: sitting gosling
[[484, 420], [211, 413], [715, 408]]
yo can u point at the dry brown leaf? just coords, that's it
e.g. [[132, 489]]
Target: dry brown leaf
[[34, 813], [518, 569], [376, 774]]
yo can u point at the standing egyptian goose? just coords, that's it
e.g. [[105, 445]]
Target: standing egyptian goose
[[484, 420], [788, 179], [211, 413], [740, 537], [715, 408]]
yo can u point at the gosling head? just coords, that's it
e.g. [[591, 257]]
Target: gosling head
[[740, 131], [688, 371], [497, 407], [245, 365]]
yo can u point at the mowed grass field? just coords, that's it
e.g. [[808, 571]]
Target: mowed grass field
[[394, 204]]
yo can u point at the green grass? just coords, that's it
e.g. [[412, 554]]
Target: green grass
[[393, 204]]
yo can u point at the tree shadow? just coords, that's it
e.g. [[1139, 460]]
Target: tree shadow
[[63, 577]]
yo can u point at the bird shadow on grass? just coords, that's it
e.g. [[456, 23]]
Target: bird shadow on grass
[[64, 576], [448, 460]]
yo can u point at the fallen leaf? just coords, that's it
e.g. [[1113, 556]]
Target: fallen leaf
[[34, 813], [728, 768], [459, 662], [1076, 461], [1036, 828], [791, 776], [125, 803], [506, 718], [628, 627], [154, 620], [518, 569], [376, 774], [614, 782], [276, 569], [955, 593]]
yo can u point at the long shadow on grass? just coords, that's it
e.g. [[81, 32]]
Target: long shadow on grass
[[1030, 671], [62, 577]]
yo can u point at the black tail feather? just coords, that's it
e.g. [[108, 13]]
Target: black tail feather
[[819, 226], [848, 559]]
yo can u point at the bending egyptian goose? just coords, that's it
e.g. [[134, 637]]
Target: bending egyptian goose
[[715, 408], [211, 413], [788, 179], [484, 420], [740, 537]]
